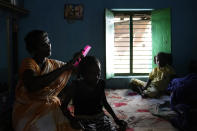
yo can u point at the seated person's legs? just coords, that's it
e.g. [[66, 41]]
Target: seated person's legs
[[151, 92], [137, 85]]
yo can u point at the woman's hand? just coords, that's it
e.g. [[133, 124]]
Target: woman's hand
[[77, 56]]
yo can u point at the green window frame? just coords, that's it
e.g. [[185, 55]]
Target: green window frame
[[161, 37]]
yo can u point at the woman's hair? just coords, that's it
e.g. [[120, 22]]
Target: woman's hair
[[85, 63], [32, 39], [166, 57]]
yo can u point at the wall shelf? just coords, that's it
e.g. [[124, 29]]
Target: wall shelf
[[12, 8]]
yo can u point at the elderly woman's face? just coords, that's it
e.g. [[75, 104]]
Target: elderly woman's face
[[43, 46]]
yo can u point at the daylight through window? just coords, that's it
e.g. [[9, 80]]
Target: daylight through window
[[132, 43]]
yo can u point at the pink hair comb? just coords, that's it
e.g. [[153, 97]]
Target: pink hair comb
[[84, 52]]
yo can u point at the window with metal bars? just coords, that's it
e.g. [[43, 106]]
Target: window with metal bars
[[132, 44], [133, 37]]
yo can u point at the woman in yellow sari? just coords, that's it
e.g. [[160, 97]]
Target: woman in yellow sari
[[41, 79]]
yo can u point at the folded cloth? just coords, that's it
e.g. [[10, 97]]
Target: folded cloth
[[163, 110], [183, 101]]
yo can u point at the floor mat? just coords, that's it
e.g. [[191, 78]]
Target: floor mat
[[138, 112]]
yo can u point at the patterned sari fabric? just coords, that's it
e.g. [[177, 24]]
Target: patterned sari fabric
[[38, 111]]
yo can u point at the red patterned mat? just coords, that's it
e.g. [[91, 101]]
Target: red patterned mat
[[132, 108]]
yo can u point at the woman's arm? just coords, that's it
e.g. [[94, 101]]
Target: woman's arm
[[34, 83]]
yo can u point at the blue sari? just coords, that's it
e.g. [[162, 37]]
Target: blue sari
[[184, 100]]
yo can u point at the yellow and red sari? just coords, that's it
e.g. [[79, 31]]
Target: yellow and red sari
[[39, 111]]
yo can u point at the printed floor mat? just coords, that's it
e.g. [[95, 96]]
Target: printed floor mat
[[138, 112]]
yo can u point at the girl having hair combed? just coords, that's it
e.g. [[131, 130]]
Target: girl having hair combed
[[88, 97], [159, 77]]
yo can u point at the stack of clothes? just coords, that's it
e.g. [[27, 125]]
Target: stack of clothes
[[184, 101]]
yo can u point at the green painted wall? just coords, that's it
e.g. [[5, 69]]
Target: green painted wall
[[161, 31]]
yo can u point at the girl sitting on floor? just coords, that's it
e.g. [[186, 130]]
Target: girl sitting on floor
[[88, 97], [158, 79]]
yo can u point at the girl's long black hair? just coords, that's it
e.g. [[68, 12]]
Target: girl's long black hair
[[85, 63]]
